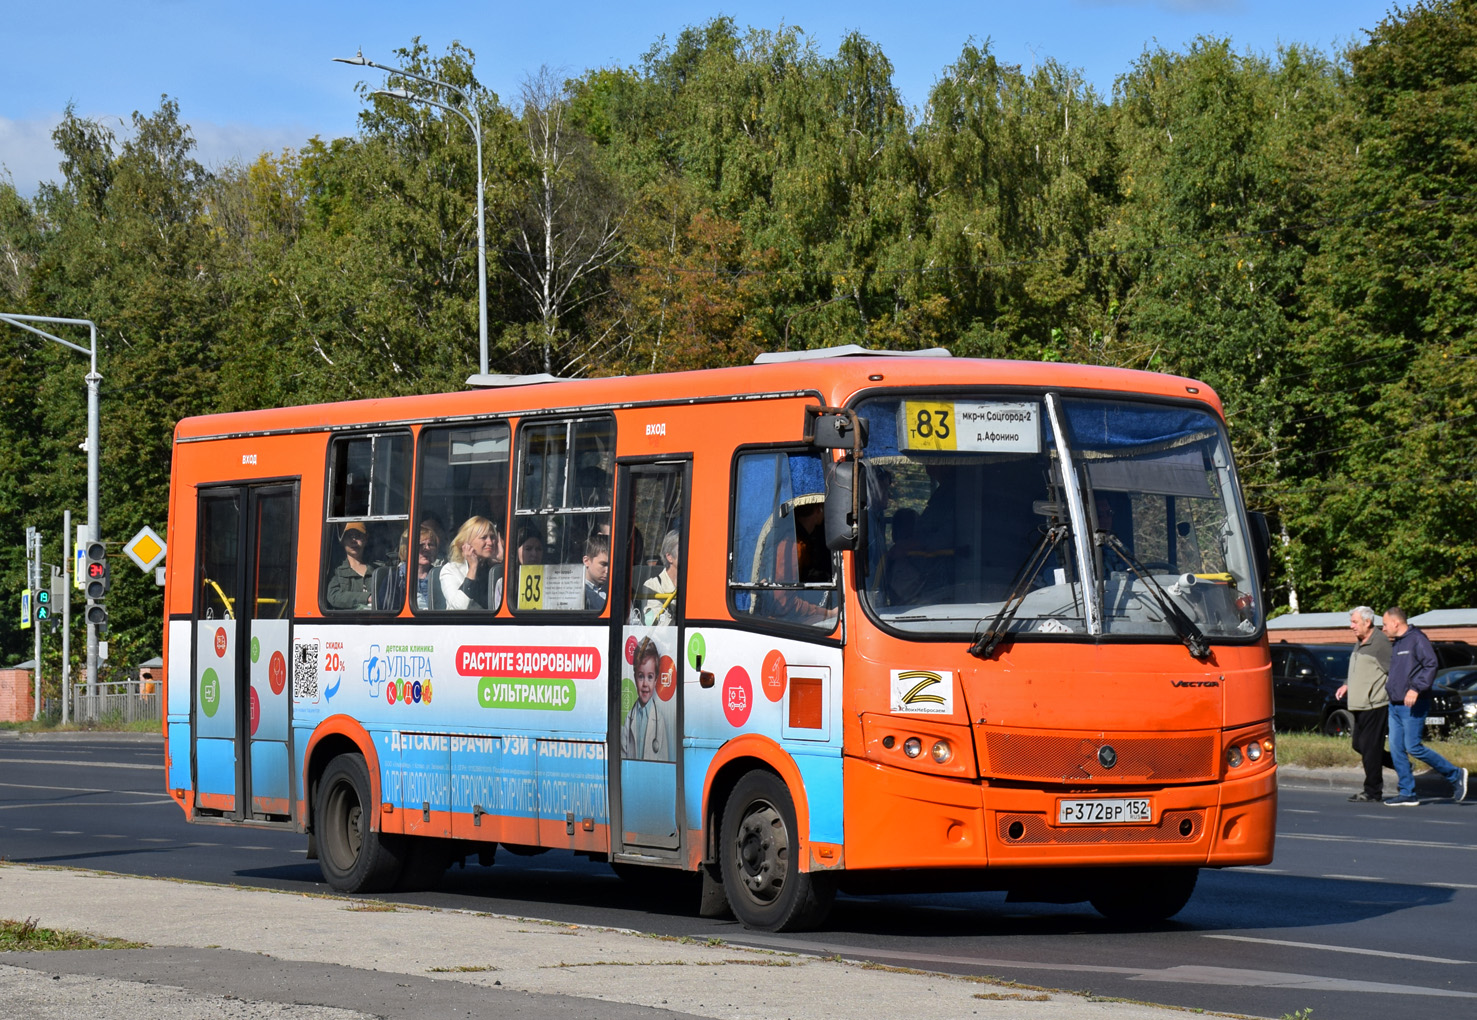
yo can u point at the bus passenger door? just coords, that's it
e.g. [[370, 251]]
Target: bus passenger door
[[243, 613], [647, 610]]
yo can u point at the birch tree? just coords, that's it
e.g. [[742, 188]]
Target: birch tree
[[568, 229]]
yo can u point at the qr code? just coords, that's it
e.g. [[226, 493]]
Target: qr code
[[305, 671]]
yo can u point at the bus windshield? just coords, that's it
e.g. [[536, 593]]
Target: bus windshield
[[972, 523]]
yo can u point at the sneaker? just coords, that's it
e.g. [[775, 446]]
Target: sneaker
[[1402, 801], [1459, 788], [1363, 798]]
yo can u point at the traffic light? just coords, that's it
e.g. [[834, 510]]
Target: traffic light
[[96, 584], [97, 581], [43, 605]]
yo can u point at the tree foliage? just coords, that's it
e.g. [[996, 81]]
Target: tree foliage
[[1293, 228]]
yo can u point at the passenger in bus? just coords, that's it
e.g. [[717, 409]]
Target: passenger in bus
[[597, 572], [389, 577], [427, 561], [472, 577], [660, 592], [646, 735], [803, 559], [349, 585], [902, 574], [530, 547]]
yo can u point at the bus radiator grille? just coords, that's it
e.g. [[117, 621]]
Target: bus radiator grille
[[1058, 759], [1034, 830]]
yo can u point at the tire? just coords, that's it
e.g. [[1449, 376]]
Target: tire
[[352, 857], [759, 858], [1340, 723], [1143, 895]]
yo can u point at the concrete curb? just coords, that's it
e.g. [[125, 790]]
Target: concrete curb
[[334, 952], [96, 736]]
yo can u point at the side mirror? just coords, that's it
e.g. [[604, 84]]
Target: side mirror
[[835, 428], [843, 512], [1261, 546]]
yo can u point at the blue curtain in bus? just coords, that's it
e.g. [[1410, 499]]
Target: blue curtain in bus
[[1115, 425], [765, 483]]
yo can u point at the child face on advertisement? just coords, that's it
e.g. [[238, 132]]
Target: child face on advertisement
[[646, 671]]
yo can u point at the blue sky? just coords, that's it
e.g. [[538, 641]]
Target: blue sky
[[254, 76]]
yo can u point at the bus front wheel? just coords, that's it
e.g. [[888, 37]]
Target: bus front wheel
[[759, 858], [1143, 895], [352, 856]]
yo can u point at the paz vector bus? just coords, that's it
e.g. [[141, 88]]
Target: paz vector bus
[[835, 619]]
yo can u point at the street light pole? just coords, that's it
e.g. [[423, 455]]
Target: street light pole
[[474, 121], [94, 382]]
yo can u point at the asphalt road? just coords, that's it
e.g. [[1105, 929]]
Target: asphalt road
[[1365, 913]]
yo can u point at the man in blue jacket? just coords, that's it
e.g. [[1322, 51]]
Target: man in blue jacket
[[1412, 671]]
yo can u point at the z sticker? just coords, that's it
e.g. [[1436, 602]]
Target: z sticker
[[923, 691]]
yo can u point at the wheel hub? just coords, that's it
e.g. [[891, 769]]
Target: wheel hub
[[763, 852]]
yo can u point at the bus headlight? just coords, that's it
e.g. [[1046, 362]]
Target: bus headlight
[[1254, 751], [942, 751], [912, 747], [1233, 756]]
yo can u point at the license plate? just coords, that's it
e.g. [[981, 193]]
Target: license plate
[[1104, 811], [1435, 720]]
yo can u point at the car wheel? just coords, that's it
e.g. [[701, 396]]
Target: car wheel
[[352, 857], [1340, 723], [759, 857]]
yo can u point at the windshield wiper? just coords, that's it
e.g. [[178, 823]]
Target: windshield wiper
[[987, 642], [1185, 627]]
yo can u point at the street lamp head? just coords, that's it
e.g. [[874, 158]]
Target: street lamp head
[[357, 58], [393, 93]]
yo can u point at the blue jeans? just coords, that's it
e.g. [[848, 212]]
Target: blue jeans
[[1406, 725]]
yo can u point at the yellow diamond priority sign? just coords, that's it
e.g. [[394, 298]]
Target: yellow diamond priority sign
[[146, 549]]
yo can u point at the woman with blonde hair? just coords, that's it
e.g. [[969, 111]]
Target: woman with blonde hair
[[472, 578]]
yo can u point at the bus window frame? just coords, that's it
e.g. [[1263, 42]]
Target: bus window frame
[[764, 623], [567, 416], [900, 393], [326, 543], [448, 615]]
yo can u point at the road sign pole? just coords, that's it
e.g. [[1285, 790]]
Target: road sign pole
[[35, 566], [66, 617]]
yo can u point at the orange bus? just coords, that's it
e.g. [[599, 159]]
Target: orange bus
[[839, 618]]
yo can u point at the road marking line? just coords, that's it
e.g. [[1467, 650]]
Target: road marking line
[[67, 789], [1299, 811], [1366, 878], [84, 764], [1382, 842], [1199, 975], [1339, 949]]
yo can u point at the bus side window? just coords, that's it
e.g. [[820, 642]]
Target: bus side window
[[461, 515], [781, 567], [560, 552], [364, 533]]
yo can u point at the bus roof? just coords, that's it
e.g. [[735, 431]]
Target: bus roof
[[832, 380]]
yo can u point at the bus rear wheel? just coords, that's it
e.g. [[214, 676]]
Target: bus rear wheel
[[352, 857], [1144, 895], [759, 858]]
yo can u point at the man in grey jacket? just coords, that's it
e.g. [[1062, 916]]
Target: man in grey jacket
[[1369, 667]]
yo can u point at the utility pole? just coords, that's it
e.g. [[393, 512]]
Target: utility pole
[[33, 547], [94, 383]]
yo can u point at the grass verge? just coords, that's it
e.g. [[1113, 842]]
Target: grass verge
[[1315, 751], [28, 937]]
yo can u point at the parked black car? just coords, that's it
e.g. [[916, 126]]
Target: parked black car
[[1461, 681], [1305, 677]]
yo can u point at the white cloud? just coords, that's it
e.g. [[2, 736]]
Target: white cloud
[[30, 157]]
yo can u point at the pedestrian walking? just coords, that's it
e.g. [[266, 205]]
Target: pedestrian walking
[[1369, 671], [1412, 671]]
